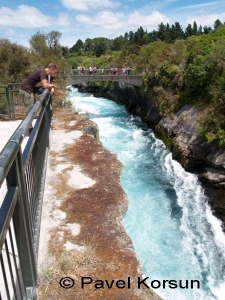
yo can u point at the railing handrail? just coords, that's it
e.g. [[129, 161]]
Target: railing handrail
[[16, 139], [9, 91], [22, 175]]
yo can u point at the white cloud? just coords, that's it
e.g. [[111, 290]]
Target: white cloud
[[31, 18], [152, 20], [87, 5], [105, 20], [62, 20], [22, 36], [118, 21], [9, 32], [206, 19]]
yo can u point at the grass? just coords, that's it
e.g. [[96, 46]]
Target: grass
[[72, 264]]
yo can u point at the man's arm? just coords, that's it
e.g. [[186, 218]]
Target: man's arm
[[47, 85]]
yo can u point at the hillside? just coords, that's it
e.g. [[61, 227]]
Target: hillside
[[187, 71]]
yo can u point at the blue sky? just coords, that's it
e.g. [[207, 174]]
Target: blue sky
[[81, 19]]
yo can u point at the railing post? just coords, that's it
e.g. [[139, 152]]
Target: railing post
[[8, 102], [11, 101]]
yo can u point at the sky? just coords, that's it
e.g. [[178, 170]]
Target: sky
[[81, 19]]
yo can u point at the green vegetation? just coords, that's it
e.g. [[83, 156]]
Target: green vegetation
[[17, 62], [179, 66]]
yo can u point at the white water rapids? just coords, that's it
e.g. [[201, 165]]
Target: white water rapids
[[175, 235]]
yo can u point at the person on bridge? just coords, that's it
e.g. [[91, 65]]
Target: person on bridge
[[28, 87], [95, 70]]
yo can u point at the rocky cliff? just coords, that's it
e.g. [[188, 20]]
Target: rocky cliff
[[180, 134]]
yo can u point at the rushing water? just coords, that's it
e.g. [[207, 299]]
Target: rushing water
[[174, 233]]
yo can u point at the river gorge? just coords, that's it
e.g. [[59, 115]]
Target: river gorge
[[171, 225]]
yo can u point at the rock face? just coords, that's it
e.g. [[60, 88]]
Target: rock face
[[180, 134], [92, 130], [196, 155], [193, 152]]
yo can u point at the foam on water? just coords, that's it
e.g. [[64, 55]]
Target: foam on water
[[169, 221]]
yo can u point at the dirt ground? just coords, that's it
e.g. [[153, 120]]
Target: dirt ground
[[82, 237]]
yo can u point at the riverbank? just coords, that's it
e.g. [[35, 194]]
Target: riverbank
[[81, 230]]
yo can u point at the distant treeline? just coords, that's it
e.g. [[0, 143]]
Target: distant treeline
[[178, 67], [165, 32]]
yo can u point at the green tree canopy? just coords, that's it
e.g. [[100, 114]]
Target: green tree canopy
[[14, 61]]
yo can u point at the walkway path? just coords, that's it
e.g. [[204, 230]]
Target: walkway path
[[7, 128]]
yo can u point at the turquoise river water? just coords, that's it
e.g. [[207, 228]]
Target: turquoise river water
[[176, 238]]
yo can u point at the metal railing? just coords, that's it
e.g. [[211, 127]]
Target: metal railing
[[103, 72], [84, 76], [132, 79], [11, 104], [5, 110], [22, 175]]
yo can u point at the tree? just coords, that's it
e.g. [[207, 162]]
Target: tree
[[198, 77], [100, 46], [131, 37], [176, 32], [179, 31], [14, 60], [207, 29], [79, 46], [38, 44], [88, 45], [52, 41], [126, 37], [153, 36], [167, 35], [195, 28], [138, 36], [217, 24], [188, 31], [44, 44], [133, 49], [200, 30], [65, 50], [19, 60], [145, 39], [162, 31], [118, 43]]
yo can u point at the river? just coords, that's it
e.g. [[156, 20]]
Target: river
[[178, 241]]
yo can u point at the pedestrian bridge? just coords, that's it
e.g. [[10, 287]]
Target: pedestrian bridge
[[130, 79]]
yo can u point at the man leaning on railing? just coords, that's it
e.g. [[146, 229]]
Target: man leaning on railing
[[28, 87]]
